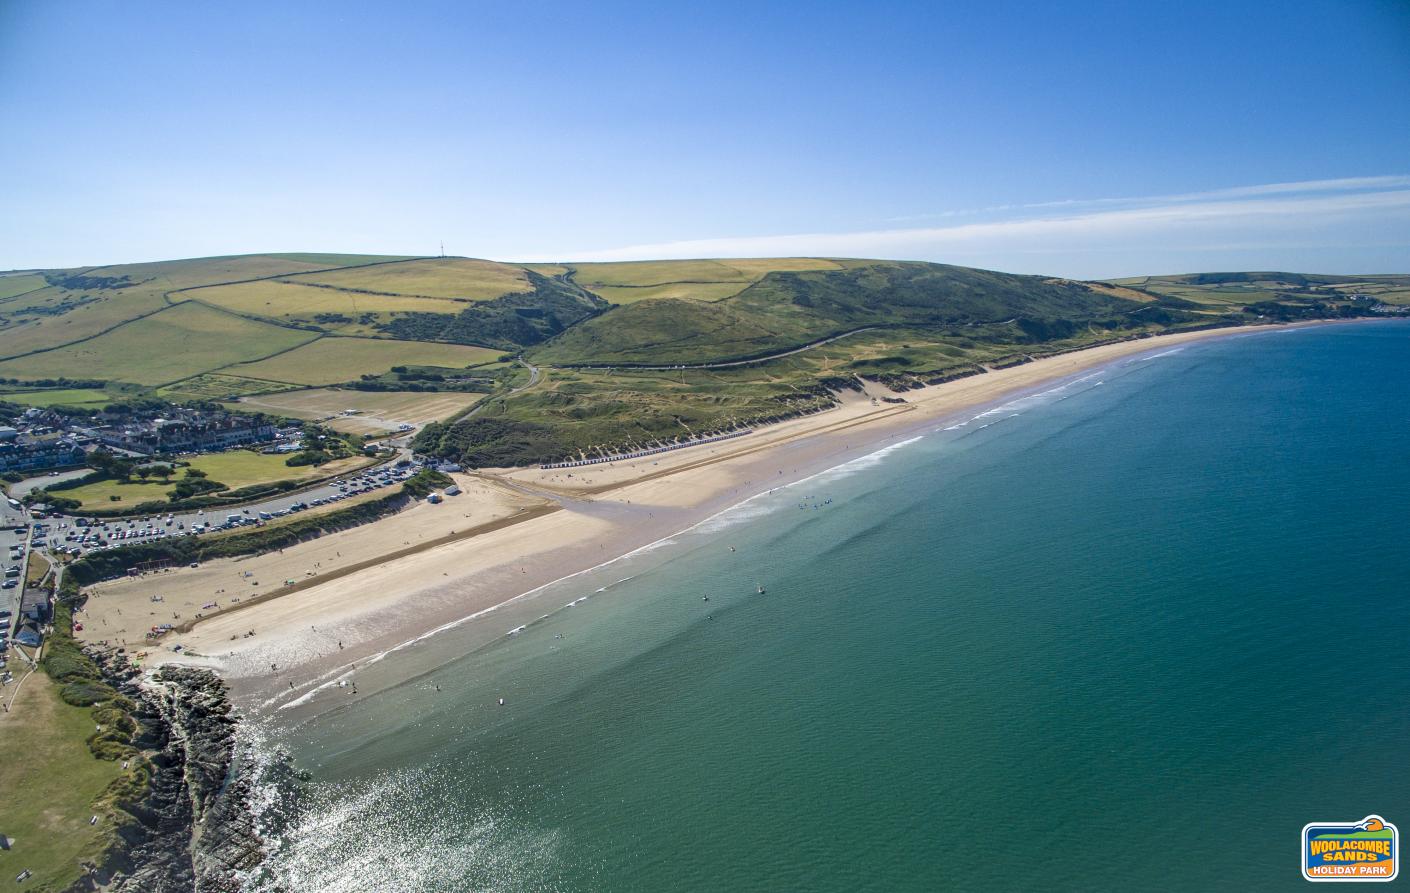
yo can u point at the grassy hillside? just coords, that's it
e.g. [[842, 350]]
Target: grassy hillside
[[331, 360], [784, 310], [84, 302], [700, 280], [53, 784], [197, 328], [166, 346], [762, 338]]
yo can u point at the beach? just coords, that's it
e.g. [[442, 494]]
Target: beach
[[510, 532], [1091, 593]]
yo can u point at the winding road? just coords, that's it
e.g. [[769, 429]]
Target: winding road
[[723, 365]]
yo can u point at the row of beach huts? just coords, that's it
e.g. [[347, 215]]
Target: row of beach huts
[[577, 463]]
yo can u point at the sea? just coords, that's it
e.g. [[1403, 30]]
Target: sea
[[1132, 631]]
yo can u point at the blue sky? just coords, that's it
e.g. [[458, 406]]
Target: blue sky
[[1082, 139]]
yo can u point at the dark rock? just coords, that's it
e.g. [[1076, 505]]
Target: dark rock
[[193, 830]]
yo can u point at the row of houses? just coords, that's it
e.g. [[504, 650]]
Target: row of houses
[[43, 439], [187, 432], [26, 452]]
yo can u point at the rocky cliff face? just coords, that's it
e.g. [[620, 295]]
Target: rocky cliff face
[[193, 831]]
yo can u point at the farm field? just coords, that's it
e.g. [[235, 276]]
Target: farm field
[[18, 284], [302, 300], [436, 277], [214, 386], [331, 360], [176, 343], [87, 301], [1238, 289], [377, 411], [700, 280], [689, 291], [170, 275], [338, 260], [53, 317]]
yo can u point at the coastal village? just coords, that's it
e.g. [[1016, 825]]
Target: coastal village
[[47, 440]]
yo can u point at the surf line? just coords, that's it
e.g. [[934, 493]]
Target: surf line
[[865, 461]]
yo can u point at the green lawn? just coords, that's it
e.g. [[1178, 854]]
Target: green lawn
[[99, 495], [235, 468], [91, 397], [50, 782]]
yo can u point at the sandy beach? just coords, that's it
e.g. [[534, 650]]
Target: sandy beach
[[511, 531]]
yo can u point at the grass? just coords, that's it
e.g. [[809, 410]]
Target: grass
[[699, 280], [1236, 290], [89, 397], [339, 260], [214, 386], [170, 275], [51, 781], [787, 310], [377, 410], [436, 277], [18, 284], [63, 314], [591, 410], [176, 343], [691, 291], [235, 468], [298, 299], [332, 360], [26, 332], [37, 567]]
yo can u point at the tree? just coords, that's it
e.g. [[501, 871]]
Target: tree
[[164, 472], [143, 472]]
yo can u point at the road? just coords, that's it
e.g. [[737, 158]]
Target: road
[[534, 376], [21, 490], [725, 365]]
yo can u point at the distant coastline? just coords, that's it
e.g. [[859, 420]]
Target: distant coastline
[[316, 635]]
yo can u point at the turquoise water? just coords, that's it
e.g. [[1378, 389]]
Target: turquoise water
[[1134, 632]]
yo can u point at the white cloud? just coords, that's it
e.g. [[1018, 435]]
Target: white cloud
[[1268, 215]]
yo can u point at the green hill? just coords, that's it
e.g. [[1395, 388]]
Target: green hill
[[784, 310], [628, 353]]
